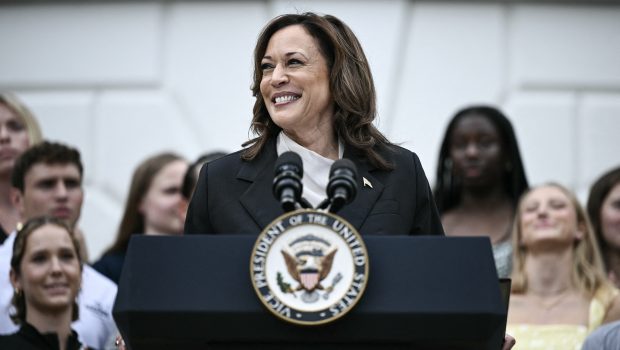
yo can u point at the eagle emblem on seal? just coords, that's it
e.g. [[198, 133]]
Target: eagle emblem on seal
[[309, 261]]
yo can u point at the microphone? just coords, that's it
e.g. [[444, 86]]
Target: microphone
[[287, 186], [342, 185]]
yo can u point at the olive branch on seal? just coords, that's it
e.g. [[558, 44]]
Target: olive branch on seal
[[284, 287]]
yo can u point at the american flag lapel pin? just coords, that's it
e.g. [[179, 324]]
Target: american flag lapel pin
[[366, 182]]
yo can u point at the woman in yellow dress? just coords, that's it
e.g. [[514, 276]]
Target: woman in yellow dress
[[559, 290]]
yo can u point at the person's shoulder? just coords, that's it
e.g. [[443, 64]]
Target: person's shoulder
[[10, 341], [604, 337], [6, 248], [95, 282], [6, 253], [394, 152], [109, 258], [97, 297], [16, 340], [230, 157], [612, 328], [400, 157], [4, 337], [233, 165], [110, 265], [225, 163], [613, 309]]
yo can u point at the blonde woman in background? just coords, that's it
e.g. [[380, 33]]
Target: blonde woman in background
[[19, 130], [559, 290]]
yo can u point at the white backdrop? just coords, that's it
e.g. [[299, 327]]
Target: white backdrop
[[122, 80]]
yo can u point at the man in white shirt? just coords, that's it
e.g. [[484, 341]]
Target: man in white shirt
[[47, 180]]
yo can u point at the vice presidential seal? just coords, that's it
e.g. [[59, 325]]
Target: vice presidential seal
[[309, 267]]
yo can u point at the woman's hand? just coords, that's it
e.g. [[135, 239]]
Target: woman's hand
[[509, 342], [120, 343]]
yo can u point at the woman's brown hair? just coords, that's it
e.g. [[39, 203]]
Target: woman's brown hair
[[598, 193], [350, 81], [133, 220]]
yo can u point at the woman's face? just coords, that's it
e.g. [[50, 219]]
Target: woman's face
[[548, 216], [610, 217], [295, 83], [14, 138], [50, 275], [476, 151], [160, 205]]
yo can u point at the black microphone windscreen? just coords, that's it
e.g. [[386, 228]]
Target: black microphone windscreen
[[343, 164], [290, 158], [342, 187]]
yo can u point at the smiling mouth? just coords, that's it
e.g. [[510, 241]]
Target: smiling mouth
[[278, 100], [544, 225], [57, 288]]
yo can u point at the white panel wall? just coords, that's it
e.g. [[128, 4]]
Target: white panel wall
[[123, 80], [453, 57], [208, 68], [80, 44], [131, 125], [566, 46], [598, 126], [544, 123]]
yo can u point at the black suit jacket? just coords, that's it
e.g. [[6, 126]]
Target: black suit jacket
[[235, 196]]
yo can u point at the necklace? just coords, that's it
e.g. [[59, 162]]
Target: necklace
[[550, 302]]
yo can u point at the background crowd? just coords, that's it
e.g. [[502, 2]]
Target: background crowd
[[481, 189], [564, 260]]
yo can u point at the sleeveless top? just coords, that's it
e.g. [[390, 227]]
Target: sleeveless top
[[563, 336]]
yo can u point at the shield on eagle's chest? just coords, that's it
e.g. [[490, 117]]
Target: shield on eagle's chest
[[309, 279]]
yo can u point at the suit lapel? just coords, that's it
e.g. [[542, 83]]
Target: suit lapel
[[260, 203], [357, 211], [258, 199]]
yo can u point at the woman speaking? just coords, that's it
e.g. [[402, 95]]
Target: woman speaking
[[315, 96]]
